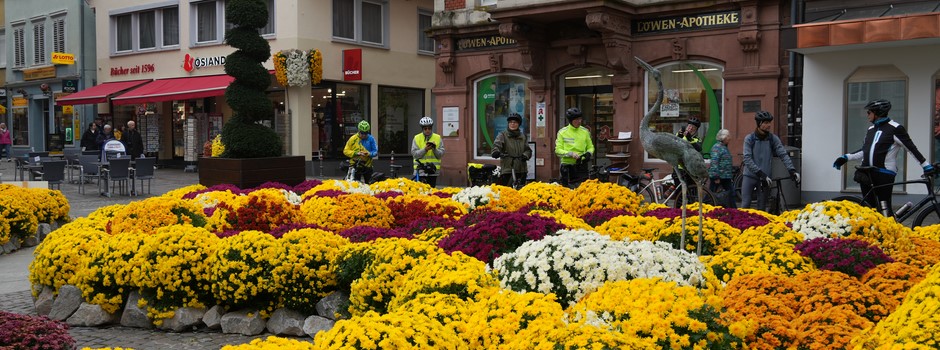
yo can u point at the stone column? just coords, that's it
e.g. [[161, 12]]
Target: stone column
[[299, 111]]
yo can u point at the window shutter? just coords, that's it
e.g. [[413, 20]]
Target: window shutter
[[19, 47], [39, 43], [58, 35]]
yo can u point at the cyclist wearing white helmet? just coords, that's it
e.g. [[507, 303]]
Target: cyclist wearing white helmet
[[362, 147], [428, 148]]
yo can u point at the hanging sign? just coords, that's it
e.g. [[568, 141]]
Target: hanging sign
[[63, 58], [352, 64], [39, 73]]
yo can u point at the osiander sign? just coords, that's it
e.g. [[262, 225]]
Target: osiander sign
[[688, 22]]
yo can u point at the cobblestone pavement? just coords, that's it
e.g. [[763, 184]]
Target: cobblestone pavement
[[20, 301]]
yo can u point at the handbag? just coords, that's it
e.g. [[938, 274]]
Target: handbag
[[862, 177]]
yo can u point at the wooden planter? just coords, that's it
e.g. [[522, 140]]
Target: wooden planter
[[251, 172]]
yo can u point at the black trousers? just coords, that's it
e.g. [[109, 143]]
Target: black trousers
[[572, 175], [880, 194], [364, 174]]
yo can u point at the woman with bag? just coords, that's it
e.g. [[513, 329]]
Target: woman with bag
[[721, 171]]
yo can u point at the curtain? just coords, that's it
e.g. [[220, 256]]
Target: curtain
[[124, 34], [344, 19], [372, 23], [147, 26], [171, 26], [269, 29], [206, 22]]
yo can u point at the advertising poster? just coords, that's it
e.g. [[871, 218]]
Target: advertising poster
[[451, 118], [497, 98]]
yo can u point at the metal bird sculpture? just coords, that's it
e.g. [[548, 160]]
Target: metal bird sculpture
[[675, 151]]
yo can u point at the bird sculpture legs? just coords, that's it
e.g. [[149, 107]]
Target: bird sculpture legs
[[701, 216]]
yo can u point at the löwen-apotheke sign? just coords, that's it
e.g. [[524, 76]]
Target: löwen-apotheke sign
[[701, 21], [482, 42]]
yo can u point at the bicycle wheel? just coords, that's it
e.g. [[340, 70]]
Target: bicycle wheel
[[647, 193], [738, 179], [930, 215]]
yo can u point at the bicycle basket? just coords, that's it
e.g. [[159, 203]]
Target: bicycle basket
[[862, 177]]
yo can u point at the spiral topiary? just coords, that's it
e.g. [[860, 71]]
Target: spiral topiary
[[242, 137]]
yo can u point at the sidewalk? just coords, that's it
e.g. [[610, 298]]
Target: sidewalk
[[15, 288]]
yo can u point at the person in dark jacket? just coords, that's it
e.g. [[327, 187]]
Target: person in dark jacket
[[90, 138], [132, 140], [511, 145], [105, 136], [759, 149]]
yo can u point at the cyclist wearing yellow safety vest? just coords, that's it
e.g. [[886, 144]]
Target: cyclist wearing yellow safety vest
[[573, 145], [689, 133], [427, 148], [362, 147]]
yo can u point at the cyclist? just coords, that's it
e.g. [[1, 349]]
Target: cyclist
[[759, 149], [573, 145], [690, 134], [513, 147], [880, 150], [362, 147], [428, 148]]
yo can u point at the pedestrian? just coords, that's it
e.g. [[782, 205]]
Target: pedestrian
[[427, 147], [362, 147], [759, 149], [105, 136], [90, 137], [573, 145], [721, 171], [6, 142], [513, 147], [133, 141], [880, 150]]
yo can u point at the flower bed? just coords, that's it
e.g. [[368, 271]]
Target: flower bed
[[492, 267]]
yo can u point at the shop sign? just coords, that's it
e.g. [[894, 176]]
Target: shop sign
[[39, 73], [688, 22], [67, 109], [191, 63], [63, 58], [69, 85], [20, 102], [483, 42], [140, 68], [352, 64]]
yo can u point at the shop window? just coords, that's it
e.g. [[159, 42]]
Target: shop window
[[425, 43], [19, 126], [871, 83], [399, 112], [39, 43], [144, 30], [589, 89], [496, 98], [352, 107], [361, 21], [692, 90]]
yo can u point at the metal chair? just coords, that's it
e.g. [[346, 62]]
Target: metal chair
[[88, 169], [71, 161], [118, 172], [143, 170], [53, 171]]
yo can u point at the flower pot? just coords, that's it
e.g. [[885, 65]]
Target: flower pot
[[251, 172]]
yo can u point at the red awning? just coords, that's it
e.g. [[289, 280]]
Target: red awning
[[99, 93], [176, 89]]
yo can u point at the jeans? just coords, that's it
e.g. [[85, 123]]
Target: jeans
[[8, 149]]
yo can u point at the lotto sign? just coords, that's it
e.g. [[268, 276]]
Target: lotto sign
[[63, 58], [67, 110]]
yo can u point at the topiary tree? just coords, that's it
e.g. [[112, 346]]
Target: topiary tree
[[242, 136]]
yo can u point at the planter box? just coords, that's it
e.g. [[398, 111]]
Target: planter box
[[251, 172]]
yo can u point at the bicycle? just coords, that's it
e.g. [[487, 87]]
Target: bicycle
[[353, 166], [580, 172], [427, 168], [926, 211], [517, 181], [777, 201], [665, 190]]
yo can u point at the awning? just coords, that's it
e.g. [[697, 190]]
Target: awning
[[176, 89], [99, 93]]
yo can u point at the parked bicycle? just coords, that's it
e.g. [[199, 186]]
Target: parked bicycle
[[356, 166], [517, 180], [925, 212], [665, 190], [427, 168], [776, 202]]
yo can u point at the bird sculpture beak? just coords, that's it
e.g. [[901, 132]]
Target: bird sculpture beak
[[646, 66]]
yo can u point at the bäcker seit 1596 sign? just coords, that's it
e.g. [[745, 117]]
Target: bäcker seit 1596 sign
[[688, 22], [482, 42]]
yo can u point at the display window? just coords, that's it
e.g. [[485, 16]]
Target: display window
[[691, 90], [496, 98]]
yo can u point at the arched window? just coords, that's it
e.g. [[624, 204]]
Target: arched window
[[497, 97], [692, 90]]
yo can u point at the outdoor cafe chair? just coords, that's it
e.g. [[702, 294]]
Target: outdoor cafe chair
[[118, 172], [53, 172], [143, 170], [88, 169]]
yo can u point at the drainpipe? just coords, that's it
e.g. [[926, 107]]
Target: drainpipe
[[795, 86]]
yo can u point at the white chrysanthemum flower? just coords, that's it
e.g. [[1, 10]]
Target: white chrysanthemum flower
[[297, 68], [292, 197], [475, 196]]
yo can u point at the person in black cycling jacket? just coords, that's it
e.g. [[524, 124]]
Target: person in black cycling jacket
[[880, 151]]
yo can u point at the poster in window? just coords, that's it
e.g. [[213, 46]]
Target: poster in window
[[451, 121]]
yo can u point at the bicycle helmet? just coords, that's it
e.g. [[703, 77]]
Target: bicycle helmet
[[879, 107], [695, 121], [573, 113], [364, 126], [426, 121], [763, 116], [514, 116]]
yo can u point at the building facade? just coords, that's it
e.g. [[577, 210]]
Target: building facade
[[722, 61], [161, 63], [48, 51], [855, 53]]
